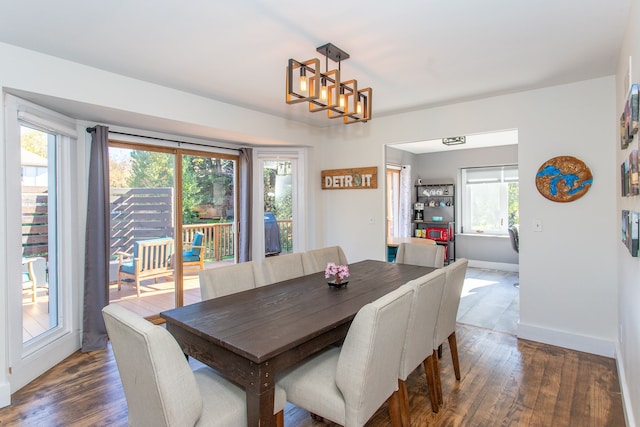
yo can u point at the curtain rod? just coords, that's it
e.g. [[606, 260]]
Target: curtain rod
[[91, 129]]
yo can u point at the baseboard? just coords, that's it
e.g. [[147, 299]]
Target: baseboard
[[502, 266], [5, 394], [624, 388], [567, 340]]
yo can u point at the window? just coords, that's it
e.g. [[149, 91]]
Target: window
[[489, 199]]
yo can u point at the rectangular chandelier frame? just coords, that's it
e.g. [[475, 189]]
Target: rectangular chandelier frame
[[325, 91], [294, 93]]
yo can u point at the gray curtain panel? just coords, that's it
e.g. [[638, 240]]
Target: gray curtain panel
[[96, 259], [246, 206]]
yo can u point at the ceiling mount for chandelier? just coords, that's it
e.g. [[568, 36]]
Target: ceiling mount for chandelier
[[325, 91]]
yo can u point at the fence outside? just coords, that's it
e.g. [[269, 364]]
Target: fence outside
[[140, 214], [137, 214], [35, 225]]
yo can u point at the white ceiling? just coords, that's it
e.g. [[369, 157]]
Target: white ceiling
[[413, 53]]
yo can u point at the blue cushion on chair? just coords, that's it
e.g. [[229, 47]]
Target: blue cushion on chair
[[188, 257], [128, 267], [197, 241]]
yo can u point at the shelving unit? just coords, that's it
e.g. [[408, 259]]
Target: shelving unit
[[437, 219]]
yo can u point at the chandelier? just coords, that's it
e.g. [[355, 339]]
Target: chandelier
[[325, 91]]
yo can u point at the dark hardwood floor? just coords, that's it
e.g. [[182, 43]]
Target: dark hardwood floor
[[505, 381]]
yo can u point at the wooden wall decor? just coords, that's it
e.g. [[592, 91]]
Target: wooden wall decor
[[563, 179], [350, 178]]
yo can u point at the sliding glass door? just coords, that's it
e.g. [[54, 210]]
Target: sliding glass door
[[142, 206], [208, 227], [172, 214]]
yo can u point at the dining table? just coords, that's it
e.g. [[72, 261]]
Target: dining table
[[250, 337]]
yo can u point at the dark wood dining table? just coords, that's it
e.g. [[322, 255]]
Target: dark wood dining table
[[251, 336]]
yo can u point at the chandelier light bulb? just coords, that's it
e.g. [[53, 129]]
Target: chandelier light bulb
[[359, 107], [303, 83], [323, 90], [303, 79]]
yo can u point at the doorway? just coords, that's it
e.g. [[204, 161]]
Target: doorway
[[485, 243]]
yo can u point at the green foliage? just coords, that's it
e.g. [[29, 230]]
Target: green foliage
[[278, 197], [270, 190], [34, 141], [209, 181], [514, 204], [150, 169], [205, 181]]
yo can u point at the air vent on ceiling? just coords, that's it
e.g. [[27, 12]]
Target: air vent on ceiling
[[454, 140]]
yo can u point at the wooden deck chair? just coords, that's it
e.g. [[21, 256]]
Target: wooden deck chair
[[151, 259]]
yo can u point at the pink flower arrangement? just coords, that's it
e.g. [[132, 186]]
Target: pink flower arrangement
[[340, 271]]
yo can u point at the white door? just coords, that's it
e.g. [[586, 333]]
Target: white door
[[280, 215], [41, 225]]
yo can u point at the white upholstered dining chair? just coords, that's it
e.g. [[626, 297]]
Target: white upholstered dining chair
[[316, 260], [282, 267], [446, 324], [418, 343], [221, 281], [421, 254], [159, 385], [347, 385]]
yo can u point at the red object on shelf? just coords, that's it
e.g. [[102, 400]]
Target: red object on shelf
[[438, 234], [446, 252]]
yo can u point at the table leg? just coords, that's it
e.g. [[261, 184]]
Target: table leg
[[260, 397], [260, 409]]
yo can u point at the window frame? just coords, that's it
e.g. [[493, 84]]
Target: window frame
[[499, 174]]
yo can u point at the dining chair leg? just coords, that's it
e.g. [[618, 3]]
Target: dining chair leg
[[403, 396], [280, 419], [394, 410], [436, 376], [431, 383], [440, 351], [453, 346]]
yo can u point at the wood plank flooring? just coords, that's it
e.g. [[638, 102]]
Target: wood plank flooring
[[505, 381]]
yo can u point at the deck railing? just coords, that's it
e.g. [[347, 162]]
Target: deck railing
[[286, 234], [218, 238]]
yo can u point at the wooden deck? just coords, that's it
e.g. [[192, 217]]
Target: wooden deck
[[154, 298]]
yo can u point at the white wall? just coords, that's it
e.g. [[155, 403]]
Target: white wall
[[628, 266], [564, 277]]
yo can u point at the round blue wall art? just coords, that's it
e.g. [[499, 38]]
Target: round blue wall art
[[563, 179]]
